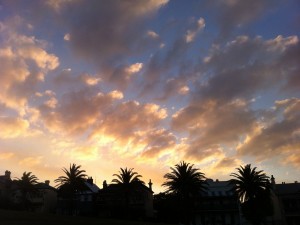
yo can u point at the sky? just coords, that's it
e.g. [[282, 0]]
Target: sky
[[145, 84]]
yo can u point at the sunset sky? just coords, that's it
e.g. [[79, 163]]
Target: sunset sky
[[147, 83]]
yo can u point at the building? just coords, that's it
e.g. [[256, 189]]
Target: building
[[115, 201], [82, 202], [5, 184], [218, 205], [86, 199], [44, 199], [289, 202]]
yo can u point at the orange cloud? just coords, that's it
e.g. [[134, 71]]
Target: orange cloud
[[24, 63], [6, 155], [31, 161], [12, 127]]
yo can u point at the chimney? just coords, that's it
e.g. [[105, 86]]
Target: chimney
[[90, 180], [273, 180], [104, 184], [47, 182], [7, 174], [150, 185]]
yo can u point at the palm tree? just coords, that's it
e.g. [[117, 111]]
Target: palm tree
[[27, 185], [185, 182], [254, 191], [129, 182], [127, 177], [70, 184], [74, 177]]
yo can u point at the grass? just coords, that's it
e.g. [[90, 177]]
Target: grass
[[8, 217]]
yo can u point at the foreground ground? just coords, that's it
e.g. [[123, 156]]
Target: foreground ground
[[27, 218]]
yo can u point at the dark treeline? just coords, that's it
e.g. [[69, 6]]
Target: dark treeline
[[128, 197]]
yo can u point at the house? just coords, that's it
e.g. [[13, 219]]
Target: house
[[86, 199], [114, 201], [5, 184], [83, 202], [218, 205], [289, 202], [44, 199]]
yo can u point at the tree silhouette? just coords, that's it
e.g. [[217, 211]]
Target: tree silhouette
[[127, 177], [74, 177], [27, 186], [129, 182], [254, 192], [185, 182], [70, 184]]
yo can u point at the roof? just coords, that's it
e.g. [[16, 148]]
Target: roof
[[93, 187], [290, 188], [44, 186], [117, 187], [218, 188]]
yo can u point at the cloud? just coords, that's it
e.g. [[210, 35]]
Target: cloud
[[90, 80], [191, 34], [31, 161], [279, 135], [157, 141], [24, 64], [220, 113], [211, 124], [134, 68], [152, 34], [108, 29], [224, 166], [67, 37], [293, 159], [123, 74], [76, 111], [85, 153], [127, 118], [232, 14], [6, 155], [245, 66], [174, 87], [167, 71], [12, 127]]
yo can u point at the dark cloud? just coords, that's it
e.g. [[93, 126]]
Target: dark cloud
[[227, 162], [76, 111], [232, 14], [106, 31], [246, 66], [211, 125], [220, 112], [157, 141], [280, 136], [167, 71]]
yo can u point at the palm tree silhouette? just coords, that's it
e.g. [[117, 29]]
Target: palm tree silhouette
[[74, 177], [129, 181], [127, 177], [27, 185], [185, 182], [254, 191], [70, 184]]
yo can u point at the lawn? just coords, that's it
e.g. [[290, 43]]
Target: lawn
[[27, 218]]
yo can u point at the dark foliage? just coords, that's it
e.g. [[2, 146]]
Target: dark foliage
[[254, 191], [185, 182]]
